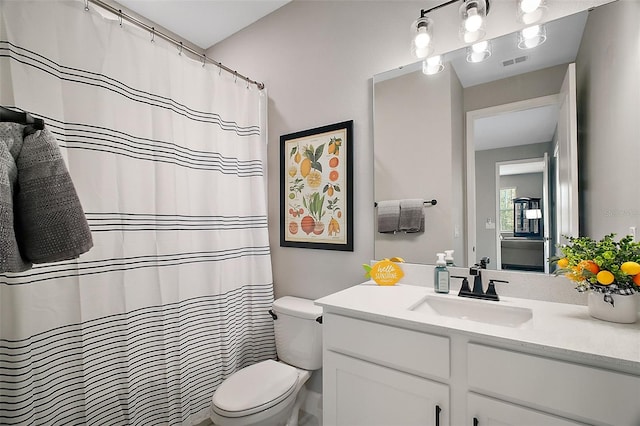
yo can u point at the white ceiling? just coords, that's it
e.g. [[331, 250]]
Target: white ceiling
[[203, 22]]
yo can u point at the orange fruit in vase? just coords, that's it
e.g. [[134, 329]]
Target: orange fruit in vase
[[636, 279], [630, 268], [605, 277], [333, 162], [590, 266], [333, 176], [563, 263]]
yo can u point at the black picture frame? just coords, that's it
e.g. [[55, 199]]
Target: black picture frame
[[316, 188]]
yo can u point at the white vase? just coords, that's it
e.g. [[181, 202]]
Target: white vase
[[624, 309]]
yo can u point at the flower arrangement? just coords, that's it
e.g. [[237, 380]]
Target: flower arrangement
[[606, 266]]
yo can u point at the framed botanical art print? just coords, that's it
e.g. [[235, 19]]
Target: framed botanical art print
[[316, 188]]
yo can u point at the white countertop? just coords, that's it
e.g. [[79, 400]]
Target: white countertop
[[566, 330]]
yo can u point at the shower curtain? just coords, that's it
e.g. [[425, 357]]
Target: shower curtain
[[167, 155]]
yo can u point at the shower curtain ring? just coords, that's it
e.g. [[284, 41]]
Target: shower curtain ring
[[235, 79], [86, 5], [204, 59], [153, 34], [219, 68], [120, 16], [180, 51]]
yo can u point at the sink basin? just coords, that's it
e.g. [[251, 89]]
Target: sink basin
[[475, 310]]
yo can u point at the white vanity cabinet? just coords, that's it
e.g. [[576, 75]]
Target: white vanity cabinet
[[383, 374], [484, 411], [575, 393], [380, 375]]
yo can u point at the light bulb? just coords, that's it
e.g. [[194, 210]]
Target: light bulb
[[530, 32], [434, 60], [531, 37], [422, 39], [528, 6], [432, 65], [480, 47], [473, 21], [422, 52]]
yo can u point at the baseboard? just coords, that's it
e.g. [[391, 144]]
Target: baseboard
[[313, 405]]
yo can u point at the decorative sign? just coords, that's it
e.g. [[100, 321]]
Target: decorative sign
[[386, 272]]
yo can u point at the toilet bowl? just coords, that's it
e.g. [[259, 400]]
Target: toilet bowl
[[270, 393]]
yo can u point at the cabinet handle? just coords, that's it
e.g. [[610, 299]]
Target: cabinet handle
[[438, 409], [476, 422]]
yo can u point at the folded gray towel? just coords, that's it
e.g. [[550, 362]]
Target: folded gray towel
[[48, 222], [388, 216], [411, 215]]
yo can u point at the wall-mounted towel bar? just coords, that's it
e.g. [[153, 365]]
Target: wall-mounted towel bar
[[8, 115], [432, 202]]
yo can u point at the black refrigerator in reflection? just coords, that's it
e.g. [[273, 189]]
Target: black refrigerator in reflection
[[527, 217]]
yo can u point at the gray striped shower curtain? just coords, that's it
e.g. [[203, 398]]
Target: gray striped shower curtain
[[168, 158]]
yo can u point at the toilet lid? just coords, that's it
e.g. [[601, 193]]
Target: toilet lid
[[255, 388]]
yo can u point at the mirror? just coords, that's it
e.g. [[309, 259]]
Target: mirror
[[426, 128]]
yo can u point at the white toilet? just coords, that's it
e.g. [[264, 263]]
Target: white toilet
[[270, 393]]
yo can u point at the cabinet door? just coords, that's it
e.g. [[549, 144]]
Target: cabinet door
[[484, 411], [360, 393]]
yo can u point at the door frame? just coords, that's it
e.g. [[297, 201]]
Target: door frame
[[471, 116]]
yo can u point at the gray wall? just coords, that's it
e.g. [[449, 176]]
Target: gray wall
[[486, 190], [411, 161], [317, 59], [607, 70]]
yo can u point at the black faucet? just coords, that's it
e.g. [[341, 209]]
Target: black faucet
[[478, 290]]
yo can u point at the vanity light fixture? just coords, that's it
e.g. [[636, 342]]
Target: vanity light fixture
[[479, 52], [531, 37], [422, 43], [473, 14], [433, 65], [531, 11]]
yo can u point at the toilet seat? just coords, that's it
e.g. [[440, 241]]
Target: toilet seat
[[254, 389]]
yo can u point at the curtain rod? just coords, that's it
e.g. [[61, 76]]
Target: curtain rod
[[153, 31]]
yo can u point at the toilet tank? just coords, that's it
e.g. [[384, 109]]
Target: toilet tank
[[298, 334]]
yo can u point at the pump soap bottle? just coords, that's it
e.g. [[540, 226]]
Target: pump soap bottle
[[441, 278], [449, 258]]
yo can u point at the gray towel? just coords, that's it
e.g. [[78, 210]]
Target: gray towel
[[411, 215], [49, 224], [388, 216], [10, 145]]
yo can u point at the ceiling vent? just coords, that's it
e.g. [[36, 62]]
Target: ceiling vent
[[514, 61]]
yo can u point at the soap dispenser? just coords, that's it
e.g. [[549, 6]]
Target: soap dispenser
[[441, 278], [449, 258]]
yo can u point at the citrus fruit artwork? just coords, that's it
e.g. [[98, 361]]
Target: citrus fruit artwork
[[315, 193]]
